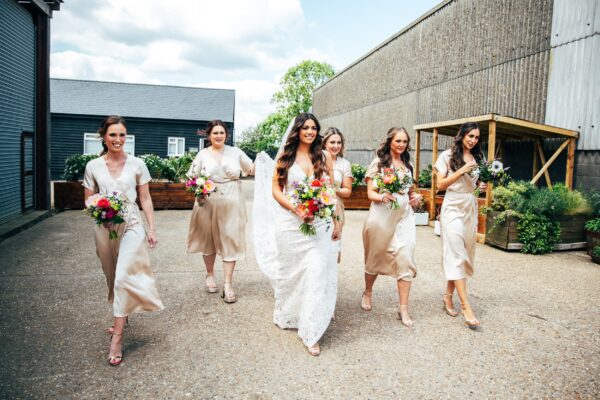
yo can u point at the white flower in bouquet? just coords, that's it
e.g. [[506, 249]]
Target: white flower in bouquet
[[497, 166]]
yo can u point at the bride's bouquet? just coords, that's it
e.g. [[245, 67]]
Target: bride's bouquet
[[491, 171], [107, 210], [316, 198], [202, 186], [392, 180]]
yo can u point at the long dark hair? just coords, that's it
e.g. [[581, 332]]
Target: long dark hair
[[329, 133], [106, 123], [384, 151], [211, 125], [456, 162], [288, 155]]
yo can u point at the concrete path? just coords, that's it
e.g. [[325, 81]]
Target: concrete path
[[540, 336]]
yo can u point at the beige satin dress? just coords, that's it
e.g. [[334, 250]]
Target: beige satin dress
[[458, 221], [219, 226], [342, 169], [389, 236], [125, 260]]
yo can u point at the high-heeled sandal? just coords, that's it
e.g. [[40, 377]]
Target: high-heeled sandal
[[471, 323], [314, 350], [406, 322], [450, 311], [363, 305], [111, 329], [228, 297], [211, 287], [115, 360]]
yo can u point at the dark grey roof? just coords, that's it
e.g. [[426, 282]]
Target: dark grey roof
[[142, 101]]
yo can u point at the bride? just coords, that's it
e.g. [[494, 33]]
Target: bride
[[302, 268]]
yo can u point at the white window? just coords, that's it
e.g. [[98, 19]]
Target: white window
[[176, 146], [93, 145], [201, 144]]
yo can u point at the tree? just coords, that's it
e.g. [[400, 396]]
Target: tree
[[265, 136], [297, 85]]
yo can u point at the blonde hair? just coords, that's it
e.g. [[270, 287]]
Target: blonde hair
[[329, 133]]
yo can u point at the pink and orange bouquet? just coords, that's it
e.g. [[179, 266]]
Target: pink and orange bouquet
[[107, 210], [202, 186], [393, 181], [315, 198]]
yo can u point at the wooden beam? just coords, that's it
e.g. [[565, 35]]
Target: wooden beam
[[537, 127], [551, 160], [417, 156], [434, 156], [540, 149], [491, 154], [458, 122], [536, 166], [570, 164]]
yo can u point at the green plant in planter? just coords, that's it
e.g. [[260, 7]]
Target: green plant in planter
[[358, 173], [575, 201], [181, 165], [593, 199], [159, 168], [425, 177], [538, 233], [75, 166], [593, 225], [596, 251]]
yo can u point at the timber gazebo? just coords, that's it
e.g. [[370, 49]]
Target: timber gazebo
[[495, 130]]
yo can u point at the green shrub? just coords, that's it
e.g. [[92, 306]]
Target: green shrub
[[538, 233], [181, 165], [75, 166], [158, 167], [425, 177], [593, 225], [358, 173], [596, 251], [593, 199], [575, 202]]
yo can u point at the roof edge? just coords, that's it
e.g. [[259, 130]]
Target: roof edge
[[139, 84]]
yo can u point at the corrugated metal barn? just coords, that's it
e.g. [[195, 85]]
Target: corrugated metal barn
[[530, 59], [24, 106], [161, 120]]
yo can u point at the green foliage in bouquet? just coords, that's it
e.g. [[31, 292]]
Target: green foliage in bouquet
[[75, 166], [358, 173], [425, 177]]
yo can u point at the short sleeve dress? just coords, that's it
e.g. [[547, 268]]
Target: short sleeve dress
[[218, 223], [125, 260], [458, 221], [341, 170], [389, 236]]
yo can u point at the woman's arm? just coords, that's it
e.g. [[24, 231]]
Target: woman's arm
[[345, 190], [444, 183], [148, 208], [87, 193], [374, 195]]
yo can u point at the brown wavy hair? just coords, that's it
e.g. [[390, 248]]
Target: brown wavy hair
[[288, 155], [211, 125], [384, 151], [106, 123], [456, 161], [329, 133]]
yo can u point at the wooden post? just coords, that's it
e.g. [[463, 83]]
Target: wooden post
[[417, 156], [536, 166], [490, 155], [570, 164], [434, 156], [550, 161], [543, 159]]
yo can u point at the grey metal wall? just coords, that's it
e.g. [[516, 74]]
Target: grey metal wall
[[17, 100], [466, 57]]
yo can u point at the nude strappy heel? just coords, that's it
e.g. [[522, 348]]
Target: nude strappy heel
[[473, 324], [450, 311]]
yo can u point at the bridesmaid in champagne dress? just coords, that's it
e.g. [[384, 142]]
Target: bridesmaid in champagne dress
[[389, 236], [456, 173], [333, 142], [218, 222], [125, 260]]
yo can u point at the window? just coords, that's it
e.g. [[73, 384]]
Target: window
[[93, 145], [176, 146]]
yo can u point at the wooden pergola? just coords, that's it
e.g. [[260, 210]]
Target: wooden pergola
[[495, 129]]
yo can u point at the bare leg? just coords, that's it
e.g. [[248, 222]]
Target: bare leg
[[115, 354], [448, 303], [461, 289], [209, 262], [228, 293], [366, 297], [403, 293]]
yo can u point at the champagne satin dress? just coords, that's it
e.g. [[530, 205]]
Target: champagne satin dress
[[342, 169], [458, 221], [389, 236], [219, 225], [125, 260]]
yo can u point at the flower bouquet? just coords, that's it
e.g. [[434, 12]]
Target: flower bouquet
[[202, 186], [393, 180], [316, 198], [106, 210], [490, 171]]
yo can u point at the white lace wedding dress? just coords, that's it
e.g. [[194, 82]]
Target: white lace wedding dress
[[302, 269]]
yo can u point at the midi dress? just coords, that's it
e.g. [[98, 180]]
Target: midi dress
[[342, 169]]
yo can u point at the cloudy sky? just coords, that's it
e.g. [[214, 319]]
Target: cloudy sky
[[246, 45]]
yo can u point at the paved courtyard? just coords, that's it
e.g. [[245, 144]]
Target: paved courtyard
[[540, 335]]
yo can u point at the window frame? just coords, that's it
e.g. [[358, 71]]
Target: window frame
[[176, 140]]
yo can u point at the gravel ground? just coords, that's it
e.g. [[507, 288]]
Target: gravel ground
[[540, 335]]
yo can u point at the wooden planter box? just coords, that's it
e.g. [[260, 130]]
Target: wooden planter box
[[165, 195], [358, 200], [592, 240], [506, 236], [596, 259]]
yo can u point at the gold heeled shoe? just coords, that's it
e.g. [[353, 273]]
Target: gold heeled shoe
[[363, 305], [115, 360], [228, 296], [473, 324], [406, 322], [314, 350], [450, 311], [211, 286]]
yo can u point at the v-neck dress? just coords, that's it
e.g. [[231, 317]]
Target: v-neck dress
[[389, 236], [125, 260], [458, 219], [218, 223]]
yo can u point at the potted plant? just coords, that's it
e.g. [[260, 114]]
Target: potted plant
[[595, 253], [421, 214], [592, 234], [358, 200]]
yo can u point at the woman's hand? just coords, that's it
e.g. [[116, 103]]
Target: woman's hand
[[386, 198], [415, 199], [483, 185], [304, 215], [468, 167], [337, 232], [152, 240]]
